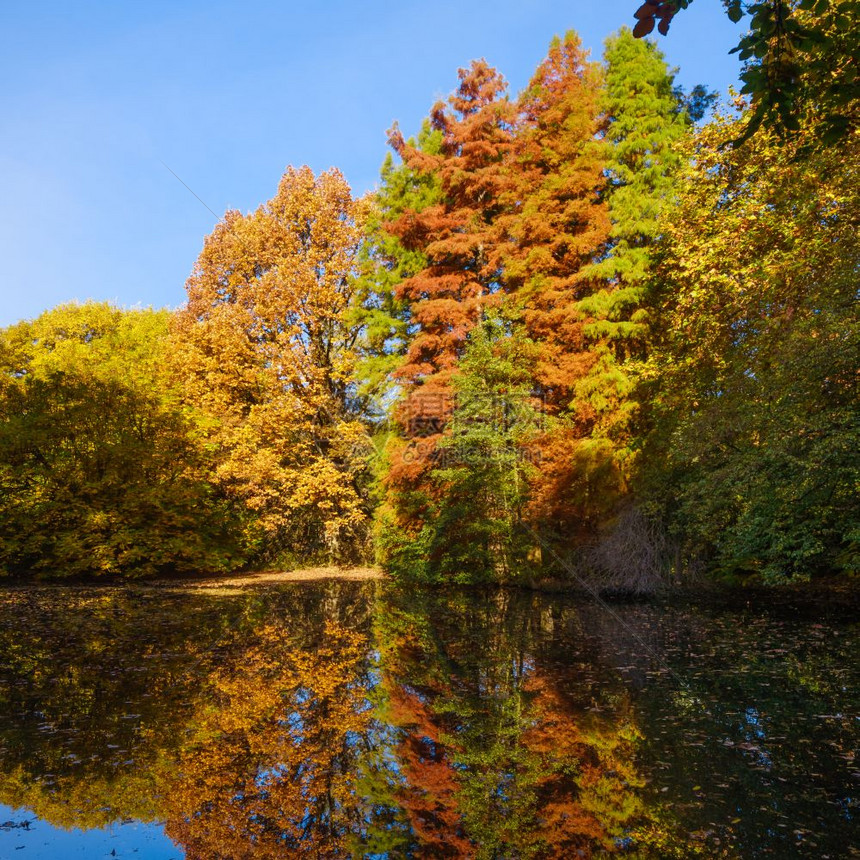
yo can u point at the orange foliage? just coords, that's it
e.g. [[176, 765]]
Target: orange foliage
[[556, 226], [271, 768], [592, 808], [429, 795], [459, 238], [521, 216], [267, 352], [557, 222]]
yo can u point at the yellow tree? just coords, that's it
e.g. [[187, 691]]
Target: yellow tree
[[272, 769], [101, 472], [267, 351]]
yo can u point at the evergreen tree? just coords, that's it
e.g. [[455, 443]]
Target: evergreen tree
[[481, 470]]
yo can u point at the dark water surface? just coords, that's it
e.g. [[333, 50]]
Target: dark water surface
[[345, 719]]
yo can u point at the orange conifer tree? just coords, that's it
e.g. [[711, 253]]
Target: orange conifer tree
[[555, 225], [459, 236]]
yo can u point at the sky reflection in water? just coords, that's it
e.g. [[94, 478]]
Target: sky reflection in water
[[25, 837]]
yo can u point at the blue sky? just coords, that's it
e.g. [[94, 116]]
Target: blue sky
[[96, 96]]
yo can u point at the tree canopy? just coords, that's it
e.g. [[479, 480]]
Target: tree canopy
[[578, 332]]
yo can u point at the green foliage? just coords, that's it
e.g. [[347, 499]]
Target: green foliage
[[484, 468], [754, 381], [642, 107], [645, 122], [473, 524], [405, 552], [800, 64], [99, 472], [644, 126]]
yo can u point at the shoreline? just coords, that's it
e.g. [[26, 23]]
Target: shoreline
[[806, 596], [205, 582], [267, 577]]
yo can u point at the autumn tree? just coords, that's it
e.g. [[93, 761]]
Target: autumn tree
[[556, 221], [555, 225], [642, 123], [382, 312], [474, 528], [753, 377], [457, 235], [267, 349], [101, 470]]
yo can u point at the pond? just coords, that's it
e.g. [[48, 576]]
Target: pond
[[349, 719]]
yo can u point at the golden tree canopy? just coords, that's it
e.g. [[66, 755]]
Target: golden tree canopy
[[266, 350]]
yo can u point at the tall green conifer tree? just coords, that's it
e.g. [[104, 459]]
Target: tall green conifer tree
[[645, 119], [481, 470]]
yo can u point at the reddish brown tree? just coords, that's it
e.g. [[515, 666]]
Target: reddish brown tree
[[459, 237], [556, 221], [519, 218], [430, 789], [556, 224]]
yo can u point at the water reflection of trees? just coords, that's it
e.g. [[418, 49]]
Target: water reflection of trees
[[100, 688], [95, 689], [346, 720], [272, 763], [497, 760]]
